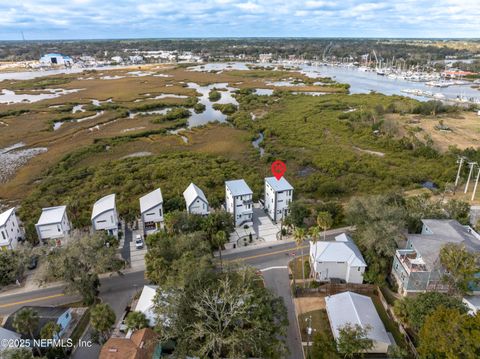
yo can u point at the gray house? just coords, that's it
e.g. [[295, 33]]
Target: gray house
[[417, 268]]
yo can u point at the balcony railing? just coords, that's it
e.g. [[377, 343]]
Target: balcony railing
[[411, 261]]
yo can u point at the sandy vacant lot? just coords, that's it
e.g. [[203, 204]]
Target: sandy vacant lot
[[464, 129], [309, 304]]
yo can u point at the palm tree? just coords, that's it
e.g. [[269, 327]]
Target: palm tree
[[102, 318], [50, 330], [324, 221], [299, 236], [25, 321], [314, 237], [220, 240], [136, 320]]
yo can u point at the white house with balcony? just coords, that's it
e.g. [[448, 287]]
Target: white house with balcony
[[11, 230], [196, 201], [151, 209], [105, 215], [53, 224], [338, 259], [278, 196], [239, 201]]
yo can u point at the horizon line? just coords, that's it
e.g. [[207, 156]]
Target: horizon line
[[246, 38]]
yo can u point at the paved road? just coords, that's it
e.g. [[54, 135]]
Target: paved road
[[118, 294], [119, 290], [272, 261]]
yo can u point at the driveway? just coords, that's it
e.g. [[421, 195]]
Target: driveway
[[263, 225], [135, 257]]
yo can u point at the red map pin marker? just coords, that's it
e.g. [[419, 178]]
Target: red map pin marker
[[278, 169]]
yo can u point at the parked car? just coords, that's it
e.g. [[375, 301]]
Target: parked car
[[33, 262], [138, 241]]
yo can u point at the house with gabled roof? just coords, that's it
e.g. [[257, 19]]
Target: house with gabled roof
[[105, 215], [338, 259], [151, 209], [195, 200], [141, 344], [349, 308], [11, 230], [53, 224]]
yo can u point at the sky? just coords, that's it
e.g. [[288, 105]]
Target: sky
[[100, 19]]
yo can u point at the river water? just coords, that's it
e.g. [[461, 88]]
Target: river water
[[360, 81]]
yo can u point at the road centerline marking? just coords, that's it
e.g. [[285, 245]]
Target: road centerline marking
[[265, 254], [6, 305]]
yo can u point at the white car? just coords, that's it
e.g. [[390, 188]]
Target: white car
[[138, 241]]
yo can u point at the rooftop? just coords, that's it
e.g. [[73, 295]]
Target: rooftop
[[279, 185], [145, 302], [8, 334], [192, 192], [444, 231], [353, 308], [238, 187], [151, 200], [104, 204], [5, 216], [51, 215], [141, 345], [341, 250], [45, 315]]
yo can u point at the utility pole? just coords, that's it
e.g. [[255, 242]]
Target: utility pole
[[309, 333], [460, 163], [476, 184], [471, 165]]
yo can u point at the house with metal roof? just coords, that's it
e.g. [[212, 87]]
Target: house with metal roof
[[53, 224], [11, 230], [278, 196], [417, 268], [105, 215], [8, 338], [356, 309], [145, 303], [195, 200], [56, 60], [239, 201], [338, 259], [151, 210]]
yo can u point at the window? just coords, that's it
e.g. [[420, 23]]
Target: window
[[3, 235], [358, 269], [58, 228], [101, 221], [160, 211]]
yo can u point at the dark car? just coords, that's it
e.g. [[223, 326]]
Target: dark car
[[33, 263]]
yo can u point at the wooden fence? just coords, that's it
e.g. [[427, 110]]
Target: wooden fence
[[402, 330], [334, 288]]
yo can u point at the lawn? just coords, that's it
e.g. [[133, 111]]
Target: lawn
[[321, 328], [389, 324], [296, 264]]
